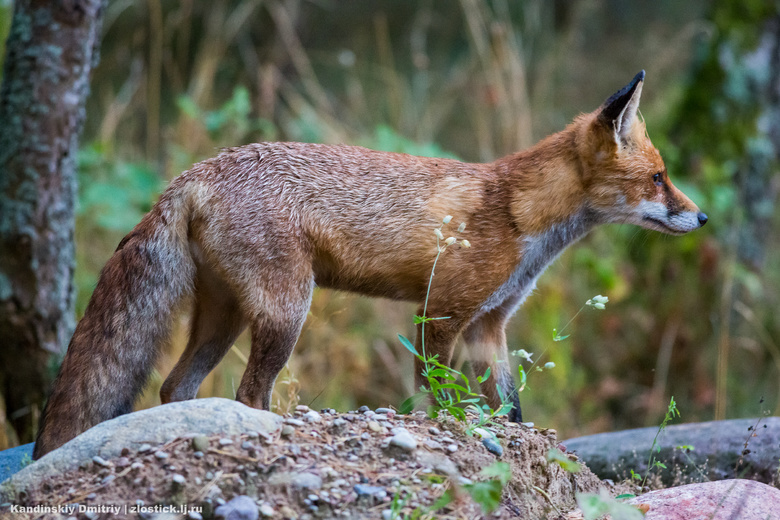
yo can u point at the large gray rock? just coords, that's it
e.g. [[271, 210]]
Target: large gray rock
[[152, 426], [721, 500], [718, 446]]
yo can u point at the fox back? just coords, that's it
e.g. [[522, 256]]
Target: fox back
[[249, 233]]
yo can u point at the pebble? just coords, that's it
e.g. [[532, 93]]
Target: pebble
[[302, 408], [225, 441], [306, 481], [178, 480], [161, 455], [267, 510], [100, 461], [200, 443], [107, 480], [253, 435], [240, 508], [433, 430], [387, 514], [246, 445], [194, 515], [528, 424], [432, 445], [493, 447], [312, 416], [364, 490], [293, 422], [374, 426], [122, 462], [363, 409], [287, 430], [452, 448], [404, 440], [386, 411], [198, 454], [144, 448]]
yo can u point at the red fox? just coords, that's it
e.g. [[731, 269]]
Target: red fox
[[250, 233]]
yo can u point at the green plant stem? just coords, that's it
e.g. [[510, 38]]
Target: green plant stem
[[668, 417], [560, 332], [545, 495], [439, 250]]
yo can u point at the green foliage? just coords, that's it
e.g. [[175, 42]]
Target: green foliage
[[388, 140], [487, 493], [6, 14], [671, 412], [595, 506], [558, 457], [113, 193], [233, 122]]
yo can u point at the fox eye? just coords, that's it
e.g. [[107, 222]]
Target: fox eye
[[657, 179]]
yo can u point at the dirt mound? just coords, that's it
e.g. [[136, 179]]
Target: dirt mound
[[320, 465]]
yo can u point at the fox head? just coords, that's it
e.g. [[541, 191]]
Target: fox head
[[624, 176]]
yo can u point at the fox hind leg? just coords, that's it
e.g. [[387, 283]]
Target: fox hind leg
[[217, 321], [275, 331]]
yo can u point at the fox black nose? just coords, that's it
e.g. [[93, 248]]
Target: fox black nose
[[702, 218]]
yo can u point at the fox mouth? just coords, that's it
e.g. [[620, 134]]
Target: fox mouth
[[666, 228]]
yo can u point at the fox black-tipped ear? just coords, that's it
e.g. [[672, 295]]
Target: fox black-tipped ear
[[620, 109]]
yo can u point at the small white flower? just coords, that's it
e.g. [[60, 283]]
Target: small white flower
[[462, 227], [597, 302], [523, 354], [465, 243], [450, 241], [447, 219], [549, 365], [438, 234]]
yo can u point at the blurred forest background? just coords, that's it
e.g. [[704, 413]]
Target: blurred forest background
[[694, 317]]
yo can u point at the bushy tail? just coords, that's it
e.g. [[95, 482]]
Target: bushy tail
[[128, 319]]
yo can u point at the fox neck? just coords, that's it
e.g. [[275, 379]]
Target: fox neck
[[547, 189], [549, 210]]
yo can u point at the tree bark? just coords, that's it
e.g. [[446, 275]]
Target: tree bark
[[51, 49]]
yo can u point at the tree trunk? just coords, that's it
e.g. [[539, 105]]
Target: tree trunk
[[51, 49]]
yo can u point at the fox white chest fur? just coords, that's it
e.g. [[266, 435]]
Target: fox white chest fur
[[538, 252]]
